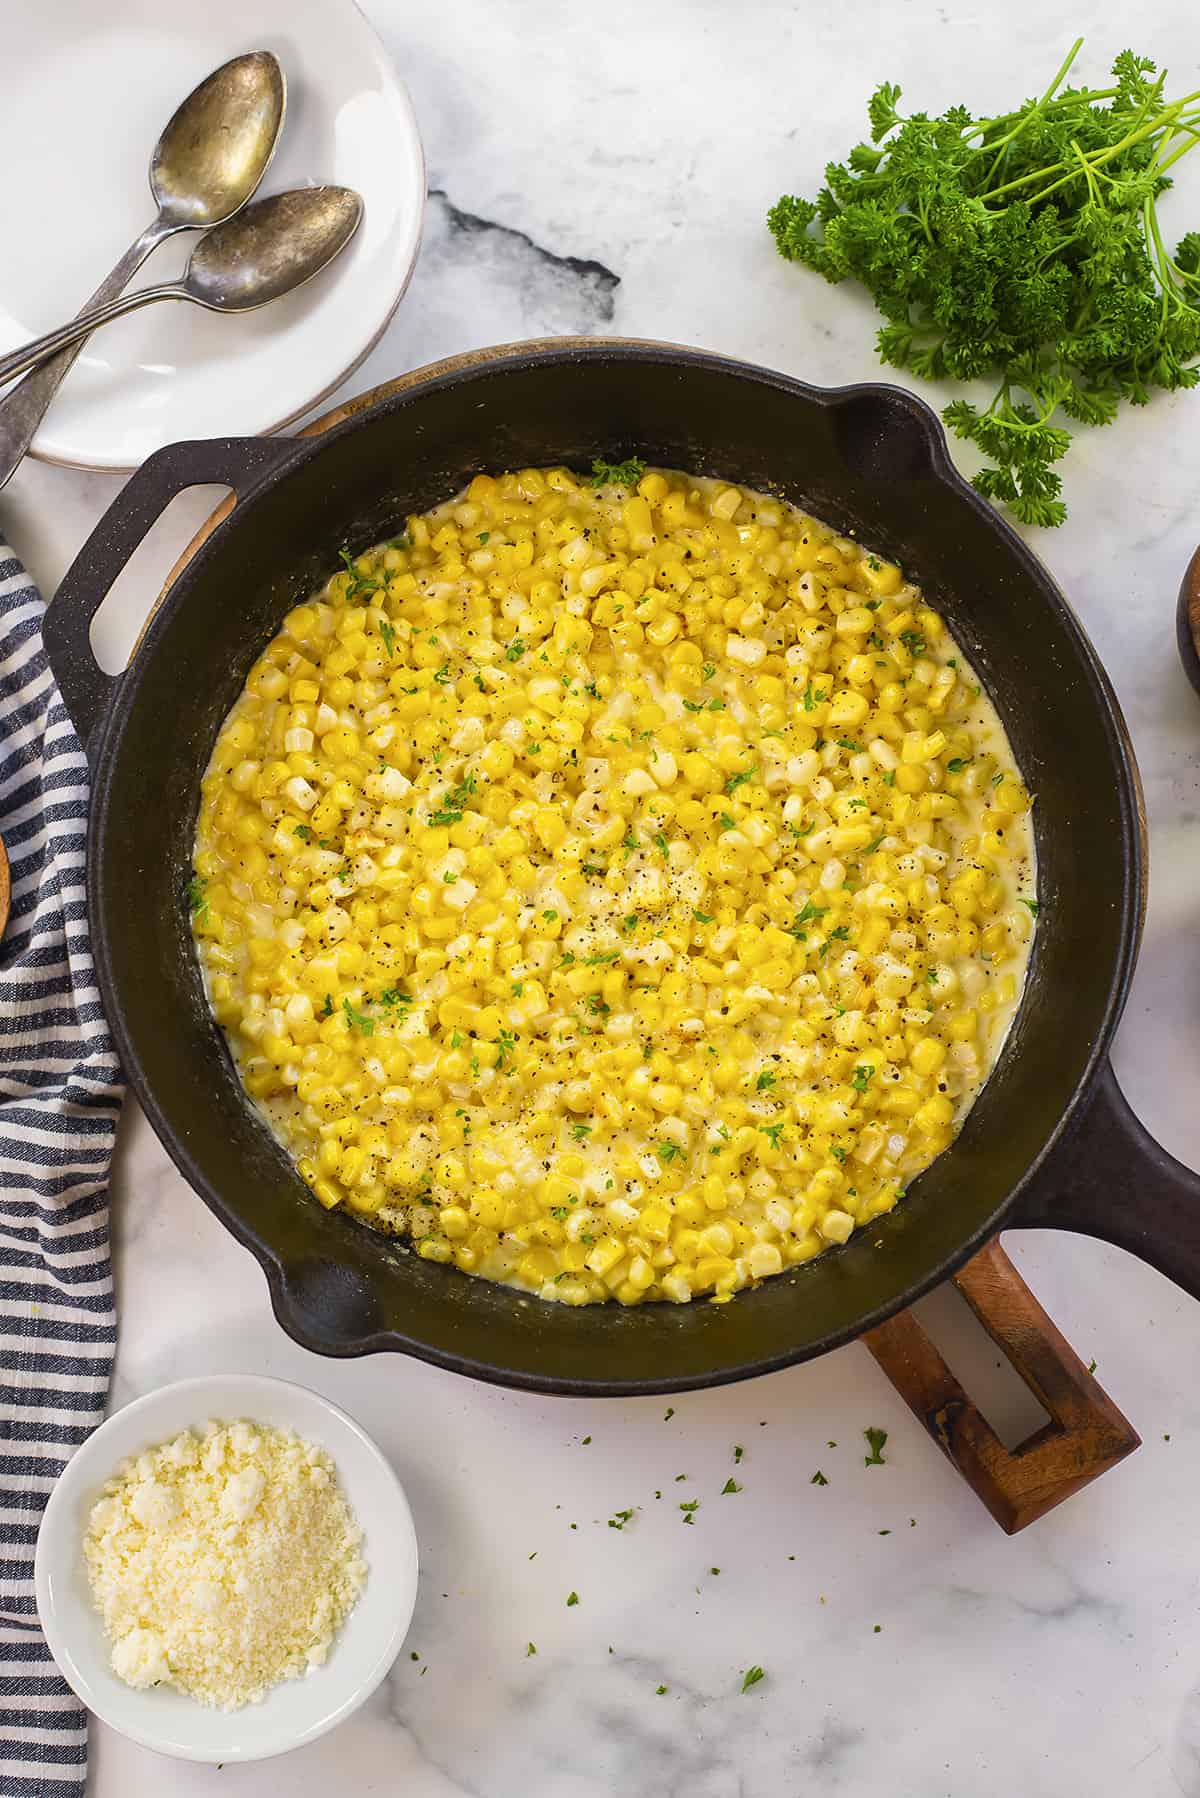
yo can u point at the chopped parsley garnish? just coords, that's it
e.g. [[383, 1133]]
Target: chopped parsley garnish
[[1033, 905], [753, 1675], [812, 698], [668, 1151], [326, 1010], [840, 935], [506, 1043], [703, 917], [727, 823], [875, 1441], [358, 1020], [807, 915], [617, 474], [592, 961], [738, 1453], [388, 633], [303, 832], [197, 903], [765, 1079], [619, 1519], [914, 642], [737, 780], [572, 1598], [863, 1075], [818, 1479], [689, 1509], [958, 763], [454, 803], [362, 583], [515, 650], [730, 1486]]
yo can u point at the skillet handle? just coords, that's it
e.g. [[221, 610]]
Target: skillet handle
[[237, 462], [1112, 1180], [1086, 1434]]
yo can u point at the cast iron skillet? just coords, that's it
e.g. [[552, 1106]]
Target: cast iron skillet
[[872, 460]]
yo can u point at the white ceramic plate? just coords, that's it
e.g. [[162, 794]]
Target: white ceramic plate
[[298, 1710], [96, 85]]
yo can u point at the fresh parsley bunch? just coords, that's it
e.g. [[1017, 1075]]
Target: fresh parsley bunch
[[1025, 249]]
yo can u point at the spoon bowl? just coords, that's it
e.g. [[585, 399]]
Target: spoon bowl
[[271, 247], [218, 143]]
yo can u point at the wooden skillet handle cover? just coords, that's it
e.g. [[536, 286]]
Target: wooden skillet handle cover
[[1086, 1434]]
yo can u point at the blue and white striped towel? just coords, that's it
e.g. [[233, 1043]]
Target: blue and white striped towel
[[60, 1097]]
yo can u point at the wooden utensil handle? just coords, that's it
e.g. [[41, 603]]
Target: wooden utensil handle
[[1086, 1434]]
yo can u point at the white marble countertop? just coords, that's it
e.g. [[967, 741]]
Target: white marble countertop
[[606, 168]]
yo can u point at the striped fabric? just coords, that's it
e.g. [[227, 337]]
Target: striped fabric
[[59, 1101]]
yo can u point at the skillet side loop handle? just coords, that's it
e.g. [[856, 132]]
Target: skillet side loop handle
[[237, 462], [1110, 1179], [1086, 1434]]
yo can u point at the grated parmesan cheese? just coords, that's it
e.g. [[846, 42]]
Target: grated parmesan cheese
[[224, 1562]]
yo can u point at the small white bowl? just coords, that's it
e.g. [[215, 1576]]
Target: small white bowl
[[298, 1710]]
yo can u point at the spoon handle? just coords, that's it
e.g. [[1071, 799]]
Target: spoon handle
[[17, 361], [22, 410]]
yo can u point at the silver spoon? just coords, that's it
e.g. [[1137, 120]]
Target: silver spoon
[[272, 246], [206, 165]]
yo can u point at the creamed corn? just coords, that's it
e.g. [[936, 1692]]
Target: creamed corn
[[617, 891]]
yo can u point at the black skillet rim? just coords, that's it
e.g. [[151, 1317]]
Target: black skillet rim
[[462, 370]]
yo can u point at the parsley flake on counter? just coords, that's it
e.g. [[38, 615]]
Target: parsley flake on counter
[[875, 1441], [668, 1414], [818, 1479], [659, 1690], [530, 1648], [753, 1675], [730, 1486], [572, 1598], [738, 1453]]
